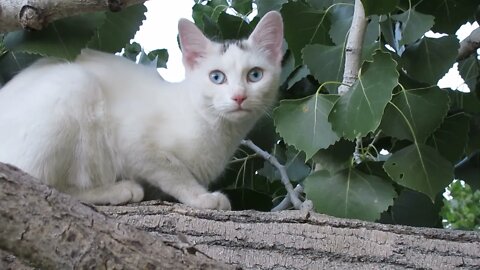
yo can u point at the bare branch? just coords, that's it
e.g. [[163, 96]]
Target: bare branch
[[35, 15], [469, 45], [353, 49], [293, 196]]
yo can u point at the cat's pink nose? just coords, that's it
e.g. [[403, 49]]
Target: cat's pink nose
[[239, 99]]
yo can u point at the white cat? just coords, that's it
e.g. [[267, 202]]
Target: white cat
[[94, 127]]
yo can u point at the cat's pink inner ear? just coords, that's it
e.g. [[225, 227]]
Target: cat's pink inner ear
[[193, 43], [268, 35]]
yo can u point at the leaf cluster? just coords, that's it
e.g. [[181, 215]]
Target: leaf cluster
[[386, 150]]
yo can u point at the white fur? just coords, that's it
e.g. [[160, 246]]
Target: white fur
[[83, 126]]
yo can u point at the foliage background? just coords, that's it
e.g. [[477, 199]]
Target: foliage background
[[330, 144]]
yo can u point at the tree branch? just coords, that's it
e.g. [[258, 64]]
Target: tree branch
[[35, 15], [49, 230], [291, 194], [41, 228], [469, 45], [353, 48], [304, 240]]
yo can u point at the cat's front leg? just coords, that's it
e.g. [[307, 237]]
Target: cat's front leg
[[119, 193], [174, 178]]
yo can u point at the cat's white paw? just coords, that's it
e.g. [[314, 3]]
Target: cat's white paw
[[215, 200], [126, 192]]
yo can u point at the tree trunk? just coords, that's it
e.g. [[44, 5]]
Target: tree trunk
[[45, 229]]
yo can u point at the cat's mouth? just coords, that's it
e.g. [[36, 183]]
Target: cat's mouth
[[240, 109]]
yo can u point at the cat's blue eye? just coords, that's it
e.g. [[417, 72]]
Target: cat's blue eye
[[255, 74], [217, 77]]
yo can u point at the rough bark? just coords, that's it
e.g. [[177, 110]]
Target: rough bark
[[45, 229], [18, 14], [300, 240]]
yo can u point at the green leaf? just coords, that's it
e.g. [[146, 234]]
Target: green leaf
[[233, 27], [414, 208], [63, 38], [303, 123], [292, 159], [449, 14], [420, 168], [12, 63], [264, 6], [118, 28], [467, 102], [379, 7], [469, 69], [325, 62], [414, 114], [437, 56], [341, 19], [450, 139], [155, 59], [242, 6], [320, 4], [312, 28], [132, 50], [336, 157], [360, 110], [349, 193], [414, 25]]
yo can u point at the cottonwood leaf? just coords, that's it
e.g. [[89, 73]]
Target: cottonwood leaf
[[379, 7], [341, 20], [414, 25], [242, 6], [312, 28], [451, 138], [11, 63], [336, 157], [469, 69], [349, 193], [437, 56], [118, 28], [414, 114], [325, 62], [414, 208], [233, 27], [449, 14], [264, 6], [292, 159], [320, 4], [303, 123], [360, 110], [421, 168], [63, 38]]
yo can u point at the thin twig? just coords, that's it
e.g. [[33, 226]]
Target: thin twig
[[297, 203], [286, 202]]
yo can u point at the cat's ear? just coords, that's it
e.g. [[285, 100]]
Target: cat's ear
[[268, 35], [193, 43]]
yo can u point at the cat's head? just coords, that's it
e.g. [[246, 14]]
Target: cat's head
[[235, 79]]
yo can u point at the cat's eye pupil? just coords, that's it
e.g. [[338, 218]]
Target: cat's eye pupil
[[217, 77], [255, 74]]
